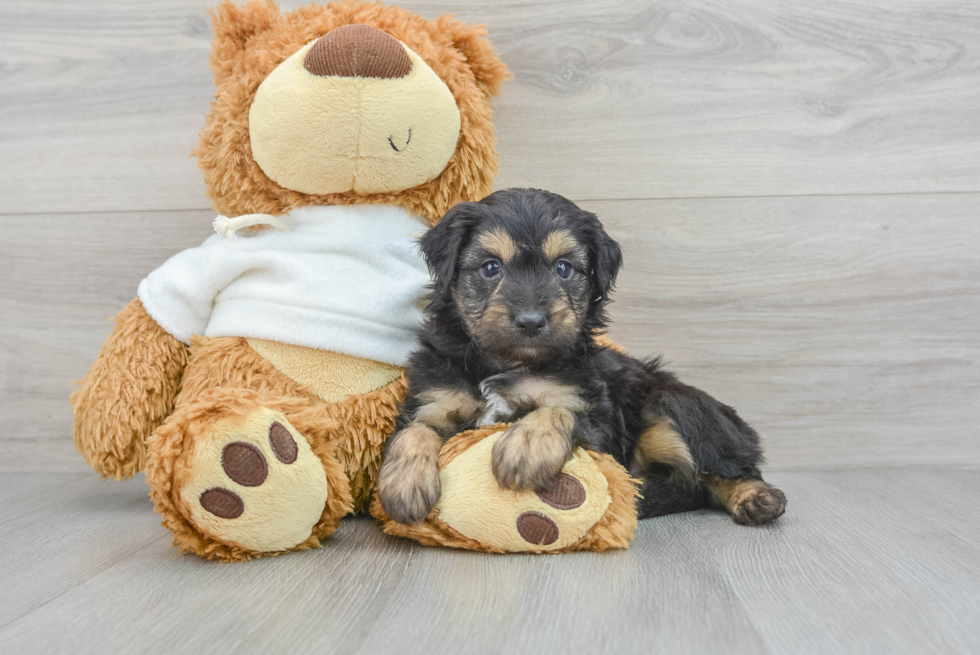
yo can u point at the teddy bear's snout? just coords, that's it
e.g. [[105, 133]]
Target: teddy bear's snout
[[358, 51]]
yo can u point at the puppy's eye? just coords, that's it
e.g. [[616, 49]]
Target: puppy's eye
[[563, 269], [490, 268]]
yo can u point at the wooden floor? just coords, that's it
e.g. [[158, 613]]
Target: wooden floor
[[870, 561]]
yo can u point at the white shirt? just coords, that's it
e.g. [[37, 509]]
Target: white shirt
[[347, 279]]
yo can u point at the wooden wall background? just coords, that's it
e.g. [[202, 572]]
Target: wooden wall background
[[796, 184]]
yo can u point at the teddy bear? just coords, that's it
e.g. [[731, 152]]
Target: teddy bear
[[255, 378]]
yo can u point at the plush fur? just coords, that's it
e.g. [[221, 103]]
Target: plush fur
[[359, 425], [251, 41], [139, 367], [166, 477], [522, 280], [149, 402], [226, 376]]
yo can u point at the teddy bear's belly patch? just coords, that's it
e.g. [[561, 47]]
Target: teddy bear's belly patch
[[332, 376]]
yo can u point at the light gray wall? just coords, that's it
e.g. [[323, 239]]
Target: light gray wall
[[796, 186]]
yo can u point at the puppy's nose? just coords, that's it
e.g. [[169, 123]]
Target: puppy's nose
[[530, 322], [358, 51]]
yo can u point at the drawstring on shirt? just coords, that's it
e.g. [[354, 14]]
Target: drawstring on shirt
[[227, 227]]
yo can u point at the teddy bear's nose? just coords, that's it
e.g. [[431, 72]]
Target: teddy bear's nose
[[358, 51]]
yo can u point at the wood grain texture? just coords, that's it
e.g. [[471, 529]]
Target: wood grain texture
[[881, 561], [843, 328], [64, 277], [101, 101], [742, 151]]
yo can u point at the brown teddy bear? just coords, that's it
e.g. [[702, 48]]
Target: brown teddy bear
[[256, 377]]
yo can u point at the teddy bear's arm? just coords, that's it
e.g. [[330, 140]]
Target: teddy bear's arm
[[127, 393]]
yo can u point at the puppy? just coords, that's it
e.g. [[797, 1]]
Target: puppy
[[521, 283]]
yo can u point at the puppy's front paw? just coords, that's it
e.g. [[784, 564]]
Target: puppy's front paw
[[408, 483], [409, 488], [531, 453]]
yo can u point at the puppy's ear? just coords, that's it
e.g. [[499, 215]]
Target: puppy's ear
[[442, 244], [606, 260]]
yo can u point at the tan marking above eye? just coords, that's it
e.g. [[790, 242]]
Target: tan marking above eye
[[558, 243], [499, 243]]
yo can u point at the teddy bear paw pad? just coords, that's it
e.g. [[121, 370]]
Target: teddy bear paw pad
[[539, 529], [253, 483], [536, 528], [568, 493]]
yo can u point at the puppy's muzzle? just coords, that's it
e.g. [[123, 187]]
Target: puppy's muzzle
[[530, 322]]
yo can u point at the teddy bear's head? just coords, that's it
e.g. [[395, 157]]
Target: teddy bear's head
[[347, 103]]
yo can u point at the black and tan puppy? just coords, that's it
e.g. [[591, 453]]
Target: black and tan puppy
[[521, 282]]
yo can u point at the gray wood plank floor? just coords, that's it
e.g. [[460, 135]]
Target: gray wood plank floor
[[871, 561]]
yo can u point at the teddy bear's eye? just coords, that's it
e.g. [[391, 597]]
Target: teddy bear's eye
[[490, 268]]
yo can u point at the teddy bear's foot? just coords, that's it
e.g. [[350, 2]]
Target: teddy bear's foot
[[474, 504], [256, 484], [246, 482], [592, 506]]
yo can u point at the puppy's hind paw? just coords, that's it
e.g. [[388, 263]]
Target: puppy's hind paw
[[762, 503]]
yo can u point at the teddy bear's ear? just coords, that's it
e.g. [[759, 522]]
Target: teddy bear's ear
[[234, 26], [489, 70]]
